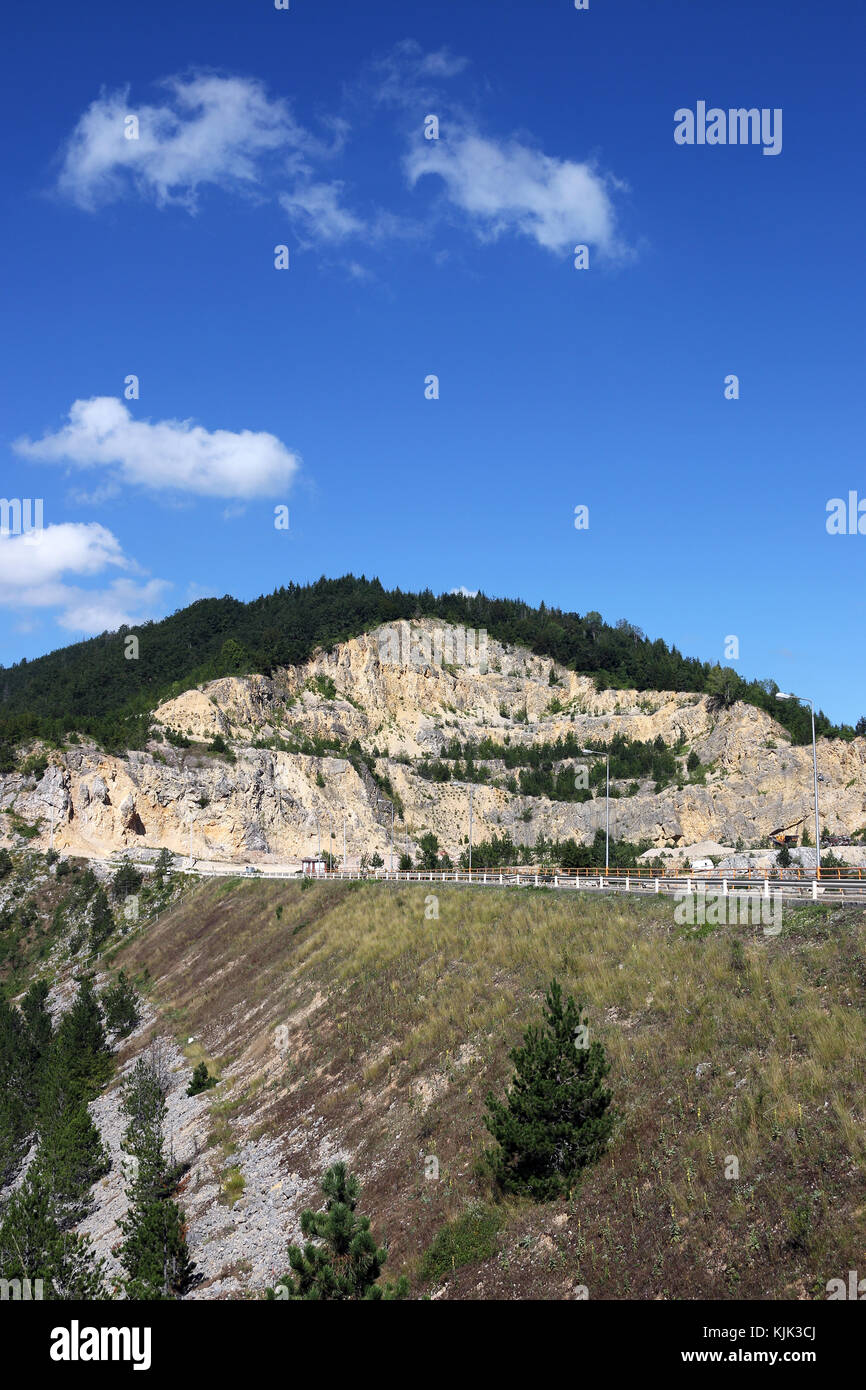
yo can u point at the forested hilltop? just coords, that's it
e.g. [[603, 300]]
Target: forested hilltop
[[90, 688]]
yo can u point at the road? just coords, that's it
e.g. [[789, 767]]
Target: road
[[735, 883]]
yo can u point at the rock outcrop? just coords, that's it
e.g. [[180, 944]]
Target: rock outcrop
[[262, 802]]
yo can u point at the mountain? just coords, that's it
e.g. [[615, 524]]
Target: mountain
[[106, 687], [273, 766]]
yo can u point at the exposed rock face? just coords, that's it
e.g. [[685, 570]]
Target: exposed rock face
[[268, 802]]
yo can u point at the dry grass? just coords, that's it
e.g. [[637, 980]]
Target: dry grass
[[398, 1022]]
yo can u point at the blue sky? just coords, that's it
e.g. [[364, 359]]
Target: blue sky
[[410, 257]]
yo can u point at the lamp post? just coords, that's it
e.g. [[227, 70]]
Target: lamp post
[[804, 700], [597, 753]]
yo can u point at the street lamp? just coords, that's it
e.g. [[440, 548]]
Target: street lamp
[[597, 753], [803, 699]]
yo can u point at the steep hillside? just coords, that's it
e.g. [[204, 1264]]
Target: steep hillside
[[353, 1020], [271, 766]]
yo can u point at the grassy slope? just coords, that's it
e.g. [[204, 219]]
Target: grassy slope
[[399, 1024]]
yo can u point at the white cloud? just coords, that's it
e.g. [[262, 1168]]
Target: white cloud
[[506, 186], [169, 455], [33, 562], [35, 570], [407, 76], [466, 593], [123, 603], [319, 218], [317, 209], [213, 130]]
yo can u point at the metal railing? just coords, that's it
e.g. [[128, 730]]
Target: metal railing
[[833, 884]]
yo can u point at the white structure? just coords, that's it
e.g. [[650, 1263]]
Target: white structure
[[313, 868]]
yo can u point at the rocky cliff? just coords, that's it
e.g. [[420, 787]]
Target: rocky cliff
[[397, 704]]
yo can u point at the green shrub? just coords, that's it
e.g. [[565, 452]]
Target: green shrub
[[201, 1080], [466, 1240]]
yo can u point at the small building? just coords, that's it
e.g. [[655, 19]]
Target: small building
[[313, 868]]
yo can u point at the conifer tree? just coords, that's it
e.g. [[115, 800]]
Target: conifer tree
[[38, 1032], [154, 1252], [101, 919], [201, 1080], [34, 1246], [347, 1263], [120, 1003], [71, 1156], [15, 1093], [163, 866], [82, 1043], [556, 1116]]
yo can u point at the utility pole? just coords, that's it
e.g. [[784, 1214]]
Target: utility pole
[[597, 753], [471, 790], [344, 839], [382, 801], [803, 699]]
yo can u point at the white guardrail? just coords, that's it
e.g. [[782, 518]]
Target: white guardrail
[[621, 881]]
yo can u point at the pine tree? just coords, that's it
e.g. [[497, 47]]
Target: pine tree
[[347, 1263], [16, 1088], [163, 866], [556, 1117], [120, 1003], [34, 1246], [126, 880], [101, 919], [154, 1251], [81, 1041], [38, 1033], [201, 1080], [71, 1156]]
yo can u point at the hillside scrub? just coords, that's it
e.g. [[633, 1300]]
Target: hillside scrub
[[723, 1044]]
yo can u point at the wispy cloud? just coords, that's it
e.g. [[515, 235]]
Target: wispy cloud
[[223, 131], [232, 133], [317, 210], [407, 76], [168, 455]]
